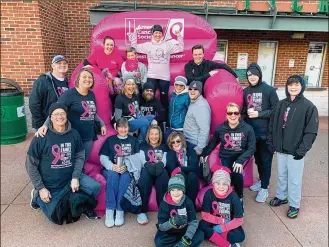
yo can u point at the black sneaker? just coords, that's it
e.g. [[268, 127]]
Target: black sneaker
[[33, 204], [90, 214]]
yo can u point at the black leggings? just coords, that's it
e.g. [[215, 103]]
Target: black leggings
[[236, 178], [263, 160]]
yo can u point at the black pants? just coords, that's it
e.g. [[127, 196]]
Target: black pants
[[145, 183], [191, 185], [263, 160], [163, 86], [163, 239], [236, 178], [236, 235]]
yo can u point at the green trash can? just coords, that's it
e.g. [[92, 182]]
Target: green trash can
[[13, 119]]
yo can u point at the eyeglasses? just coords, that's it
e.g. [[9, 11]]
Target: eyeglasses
[[176, 141], [236, 113], [62, 114]]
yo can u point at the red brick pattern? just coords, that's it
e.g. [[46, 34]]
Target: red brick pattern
[[32, 32]]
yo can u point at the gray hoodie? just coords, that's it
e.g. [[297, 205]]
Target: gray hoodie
[[197, 123]]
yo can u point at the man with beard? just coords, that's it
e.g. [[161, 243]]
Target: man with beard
[[149, 105]]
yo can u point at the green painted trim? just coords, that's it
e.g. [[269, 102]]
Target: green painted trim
[[295, 7]]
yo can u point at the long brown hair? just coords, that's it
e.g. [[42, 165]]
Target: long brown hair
[[76, 84]]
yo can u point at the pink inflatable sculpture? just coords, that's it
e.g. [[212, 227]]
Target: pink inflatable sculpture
[[219, 90]]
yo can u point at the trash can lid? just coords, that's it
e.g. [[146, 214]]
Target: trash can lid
[[17, 90]]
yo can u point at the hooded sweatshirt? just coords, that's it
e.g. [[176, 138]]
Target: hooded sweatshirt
[[197, 123], [239, 142], [294, 124], [158, 55], [152, 107], [168, 209], [52, 161], [45, 91], [178, 106], [200, 72], [262, 98]]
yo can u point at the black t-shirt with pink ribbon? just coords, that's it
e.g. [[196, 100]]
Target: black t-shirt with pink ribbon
[[81, 112], [239, 142], [129, 107], [115, 146], [152, 154], [227, 208], [56, 154]]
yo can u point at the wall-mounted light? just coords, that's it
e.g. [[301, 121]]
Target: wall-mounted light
[[298, 36]]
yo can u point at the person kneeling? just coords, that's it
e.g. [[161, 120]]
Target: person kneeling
[[222, 212], [177, 222]]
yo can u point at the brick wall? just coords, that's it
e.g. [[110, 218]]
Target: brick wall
[[21, 42], [32, 32]]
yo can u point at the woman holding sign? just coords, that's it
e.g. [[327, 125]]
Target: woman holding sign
[[158, 54]]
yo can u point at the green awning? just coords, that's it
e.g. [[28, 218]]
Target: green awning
[[224, 17]]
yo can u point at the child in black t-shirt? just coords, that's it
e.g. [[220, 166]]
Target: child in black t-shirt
[[222, 212], [177, 222]]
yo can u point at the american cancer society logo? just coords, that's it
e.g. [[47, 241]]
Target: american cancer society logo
[[170, 27]]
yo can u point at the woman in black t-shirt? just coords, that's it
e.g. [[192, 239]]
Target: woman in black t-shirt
[[82, 112], [127, 106]]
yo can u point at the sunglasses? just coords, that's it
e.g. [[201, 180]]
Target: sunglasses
[[176, 141], [192, 89], [236, 113]]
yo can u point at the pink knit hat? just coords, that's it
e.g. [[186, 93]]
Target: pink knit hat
[[223, 174]]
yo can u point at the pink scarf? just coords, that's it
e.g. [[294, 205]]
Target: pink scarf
[[180, 156], [131, 65]]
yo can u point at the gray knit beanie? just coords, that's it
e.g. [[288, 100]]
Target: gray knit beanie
[[221, 175], [177, 182]]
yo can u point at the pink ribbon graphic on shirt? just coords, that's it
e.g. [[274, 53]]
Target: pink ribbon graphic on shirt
[[56, 151], [173, 213], [86, 108], [148, 113], [151, 156], [60, 91], [131, 109], [228, 140], [214, 206], [250, 101], [118, 150]]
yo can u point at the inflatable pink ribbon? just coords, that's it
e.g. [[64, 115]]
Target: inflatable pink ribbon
[[131, 109], [228, 140], [56, 151], [151, 156], [118, 150], [86, 108]]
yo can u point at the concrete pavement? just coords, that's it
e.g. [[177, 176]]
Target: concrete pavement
[[264, 226]]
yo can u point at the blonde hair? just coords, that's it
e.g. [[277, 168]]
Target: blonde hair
[[130, 49], [231, 105], [124, 83], [173, 135], [154, 127]]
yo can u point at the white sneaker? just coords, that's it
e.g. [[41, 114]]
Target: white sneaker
[[256, 186], [109, 218], [235, 245], [119, 218], [142, 219], [262, 195]]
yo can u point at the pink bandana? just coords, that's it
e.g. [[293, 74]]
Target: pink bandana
[[131, 65]]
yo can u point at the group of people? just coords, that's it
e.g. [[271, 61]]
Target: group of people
[[161, 142]]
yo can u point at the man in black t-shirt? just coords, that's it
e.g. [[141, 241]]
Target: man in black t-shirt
[[55, 161], [47, 89]]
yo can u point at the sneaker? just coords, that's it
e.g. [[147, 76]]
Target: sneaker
[[109, 218], [275, 202], [242, 204], [262, 195], [90, 214], [142, 219], [292, 212], [33, 204], [256, 186], [235, 245], [119, 218]]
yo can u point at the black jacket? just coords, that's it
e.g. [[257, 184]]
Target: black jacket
[[192, 162], [300, 120], [71, 206], [194, 72], [239, 142], [263, 98], [152, 107], [42, 95]]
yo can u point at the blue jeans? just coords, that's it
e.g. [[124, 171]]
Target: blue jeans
[[87, 184], [142, 123], [163, 85], [116, 186]]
